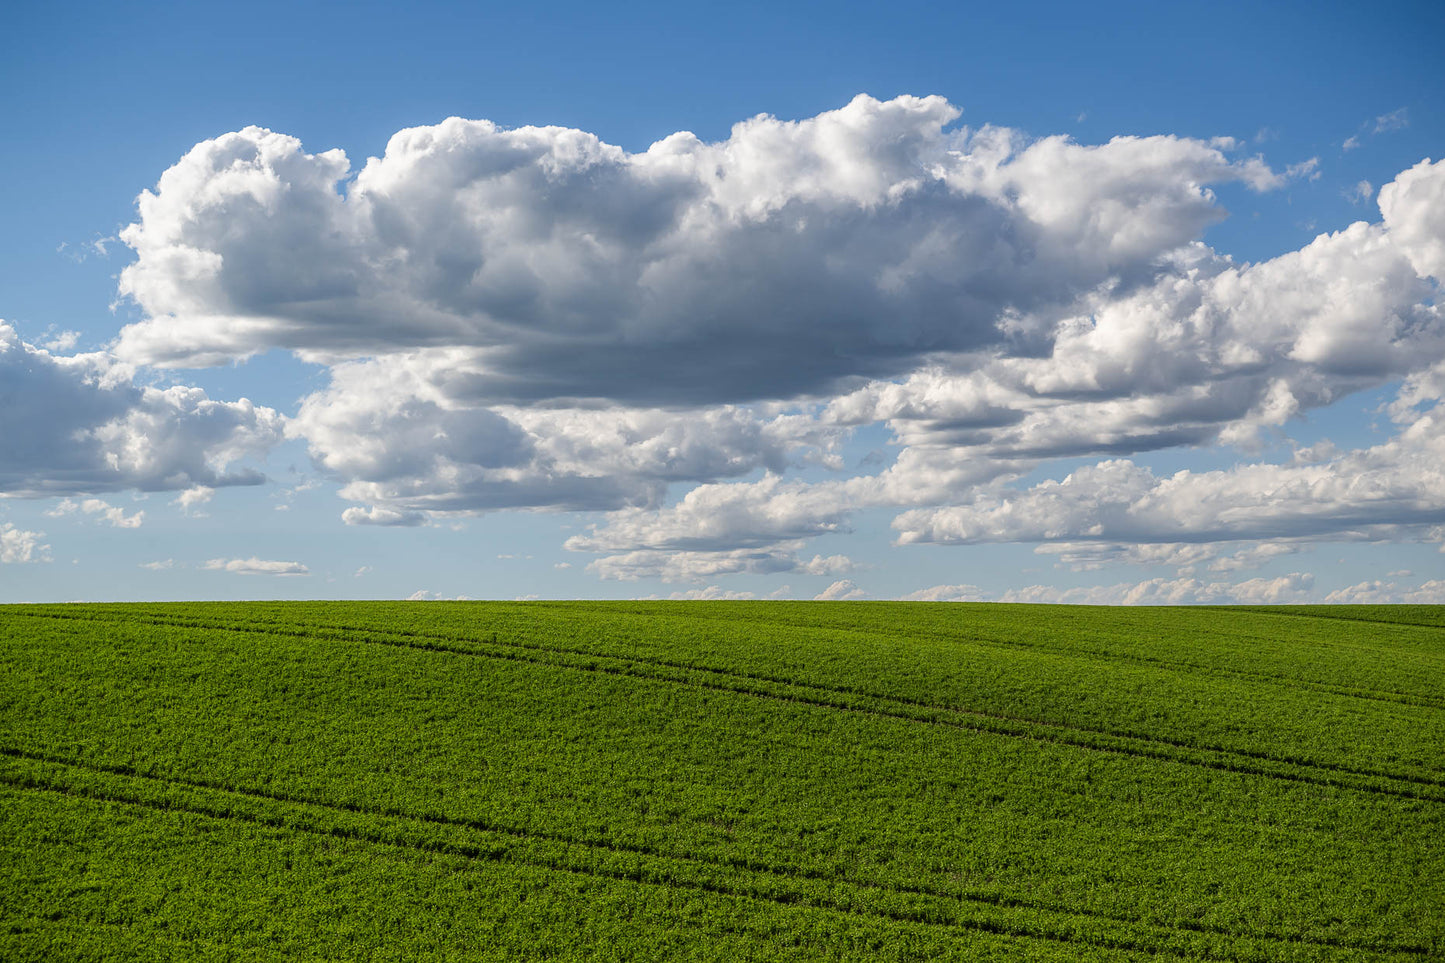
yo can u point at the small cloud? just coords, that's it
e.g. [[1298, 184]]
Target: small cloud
[[192, 499], [946, 593], [526, 598], [364, 570], [1394, 120], [841, 590], [161, 566], [382, 516], [711, 592], [832, 565], [106, 512], [1351, 143], [1308, 169], [563, 565], [1360, 193], [64, 341], [1224, 143], [17, 545], [255, 566], [1400, 573], [1376, 592], [80, 252], [422, 595]]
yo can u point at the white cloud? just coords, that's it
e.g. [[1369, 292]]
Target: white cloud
[[404, 435], [1413, 206], [841, 590], [80, 425], [711, 592], [425, 595], [381, 516], [721, 516], [946, 593], [1394, 120], [1379, 592], [535, 319], [107, 513], [1308, 169], [1290, 588], [63, 341], [255, 566], [555, 266], [192, 499], [1351, 143], [162, 565], [1362, 494], [1184, 557], [831, 565], [18, 545], [697, 566]]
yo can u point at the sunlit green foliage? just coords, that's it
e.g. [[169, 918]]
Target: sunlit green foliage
[[721, 781]]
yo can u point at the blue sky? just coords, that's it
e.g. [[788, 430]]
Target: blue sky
[[1068, 306]]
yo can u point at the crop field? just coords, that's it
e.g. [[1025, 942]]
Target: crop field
[[729, 780]]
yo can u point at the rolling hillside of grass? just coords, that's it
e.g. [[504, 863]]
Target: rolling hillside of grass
[[770, 781]]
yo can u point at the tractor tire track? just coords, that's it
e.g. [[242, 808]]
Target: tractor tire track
[[1332, 775], [640, 874]]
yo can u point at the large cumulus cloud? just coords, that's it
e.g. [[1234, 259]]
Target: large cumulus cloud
[[769, 265]]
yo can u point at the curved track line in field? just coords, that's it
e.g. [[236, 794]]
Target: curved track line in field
[[1098, 655], [479, 854], [792, 874], [1434, 626], [1393, 696], [441, 643], [846, 691], [1144, 747]]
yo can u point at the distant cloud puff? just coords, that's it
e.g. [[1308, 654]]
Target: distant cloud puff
[[107, 513], [18, 545], [381, 516], [255, 566], [841, 590]]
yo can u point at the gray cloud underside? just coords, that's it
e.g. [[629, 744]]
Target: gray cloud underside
[[766, 266], [79, 424]]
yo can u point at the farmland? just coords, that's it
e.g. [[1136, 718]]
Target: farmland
[[772, 781]]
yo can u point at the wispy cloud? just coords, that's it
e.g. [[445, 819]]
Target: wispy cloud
[[255, 566], [1394, 120], [105, 512]]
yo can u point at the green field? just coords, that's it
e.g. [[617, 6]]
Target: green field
[[729, 780]]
